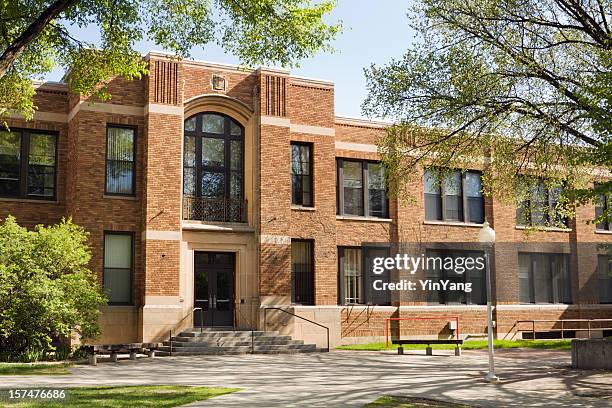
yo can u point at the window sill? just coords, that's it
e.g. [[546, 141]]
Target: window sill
[[120, 306], [454, 224], [604, 232], [545, 304], [442, 307], [543, 229], [302, 208], [363, 306], [29, 200], [216, 227], [120, 197], [360, 218]]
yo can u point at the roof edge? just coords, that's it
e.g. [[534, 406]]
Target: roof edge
[[353, 121]]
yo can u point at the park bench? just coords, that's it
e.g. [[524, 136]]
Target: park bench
[[428, 351], [114, 349]]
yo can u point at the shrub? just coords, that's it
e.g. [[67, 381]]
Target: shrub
[[46, 288], [63, 352]]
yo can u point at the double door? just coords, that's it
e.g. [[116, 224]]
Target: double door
[[214, 288]]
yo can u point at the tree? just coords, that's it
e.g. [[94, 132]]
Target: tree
[[37, 35], [528, 82], [46, 288]]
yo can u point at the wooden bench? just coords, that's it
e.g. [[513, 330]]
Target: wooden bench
[[114, 349], [428, 350]]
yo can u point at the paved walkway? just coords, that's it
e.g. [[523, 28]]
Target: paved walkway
[[530, 378]]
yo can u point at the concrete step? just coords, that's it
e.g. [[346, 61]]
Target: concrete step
[[241, 349], [222, 342], [229, 333], [164, 351], [186, 339]]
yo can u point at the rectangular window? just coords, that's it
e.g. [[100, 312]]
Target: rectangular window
[[301, 174], [118, 267], [28, 164], [120, 158], [362, 189], [602, 205], [377, 190], [302, 272], [604, 271], [540, 206], [544, 278], [473, 275], [374, 296], [453, 196], [356, 276], [351, 276]]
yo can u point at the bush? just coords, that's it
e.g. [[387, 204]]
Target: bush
[[63, 352], [46, 288]]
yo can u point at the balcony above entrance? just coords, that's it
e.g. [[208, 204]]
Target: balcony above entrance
[[215, 209]]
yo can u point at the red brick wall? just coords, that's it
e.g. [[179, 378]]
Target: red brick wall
[[300, 105]]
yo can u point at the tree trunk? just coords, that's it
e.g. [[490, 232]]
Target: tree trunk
[[14, 50]]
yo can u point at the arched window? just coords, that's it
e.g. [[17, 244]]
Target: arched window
[[213, 168]]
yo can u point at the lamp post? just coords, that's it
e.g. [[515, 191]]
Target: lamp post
[[486, 236]]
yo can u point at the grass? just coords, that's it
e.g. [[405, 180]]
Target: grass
[[158, 396], [469, 345], [407, 402], [34, 368]]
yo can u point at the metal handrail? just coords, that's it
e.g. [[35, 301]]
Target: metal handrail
[[294, 315], [563, 328], [182, 320]]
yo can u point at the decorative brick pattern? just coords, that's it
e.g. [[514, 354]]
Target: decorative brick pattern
[[165, 76], [275, 95]]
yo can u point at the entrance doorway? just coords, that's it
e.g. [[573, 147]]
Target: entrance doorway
[[214, 288]]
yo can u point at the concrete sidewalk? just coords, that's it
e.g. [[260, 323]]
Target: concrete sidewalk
[[530, 378]]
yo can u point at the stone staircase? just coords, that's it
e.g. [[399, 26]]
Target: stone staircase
[[226, 341]]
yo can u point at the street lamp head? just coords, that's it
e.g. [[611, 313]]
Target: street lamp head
[[486, 234]]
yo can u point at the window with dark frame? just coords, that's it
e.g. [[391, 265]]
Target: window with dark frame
[[213, 168], [120, 160], [604, 273], [118, 267], [540, 207], [453, 196], [356, 277], [213, 157], [361, 189], [544, 278], [602, 205], [302, 272], [301, 174], [475, 276], [28, 164]]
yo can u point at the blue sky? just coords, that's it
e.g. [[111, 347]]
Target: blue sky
[[374, 32]]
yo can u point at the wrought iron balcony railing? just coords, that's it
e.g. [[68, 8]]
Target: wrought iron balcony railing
[[214, 209]]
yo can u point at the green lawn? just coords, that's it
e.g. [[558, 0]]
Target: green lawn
[[154, 396], [469, 345], [407, 402], [34, 368]]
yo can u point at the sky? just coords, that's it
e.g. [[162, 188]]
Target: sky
[[373, 32]]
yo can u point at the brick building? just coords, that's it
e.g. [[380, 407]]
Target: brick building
[[209, 186]]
